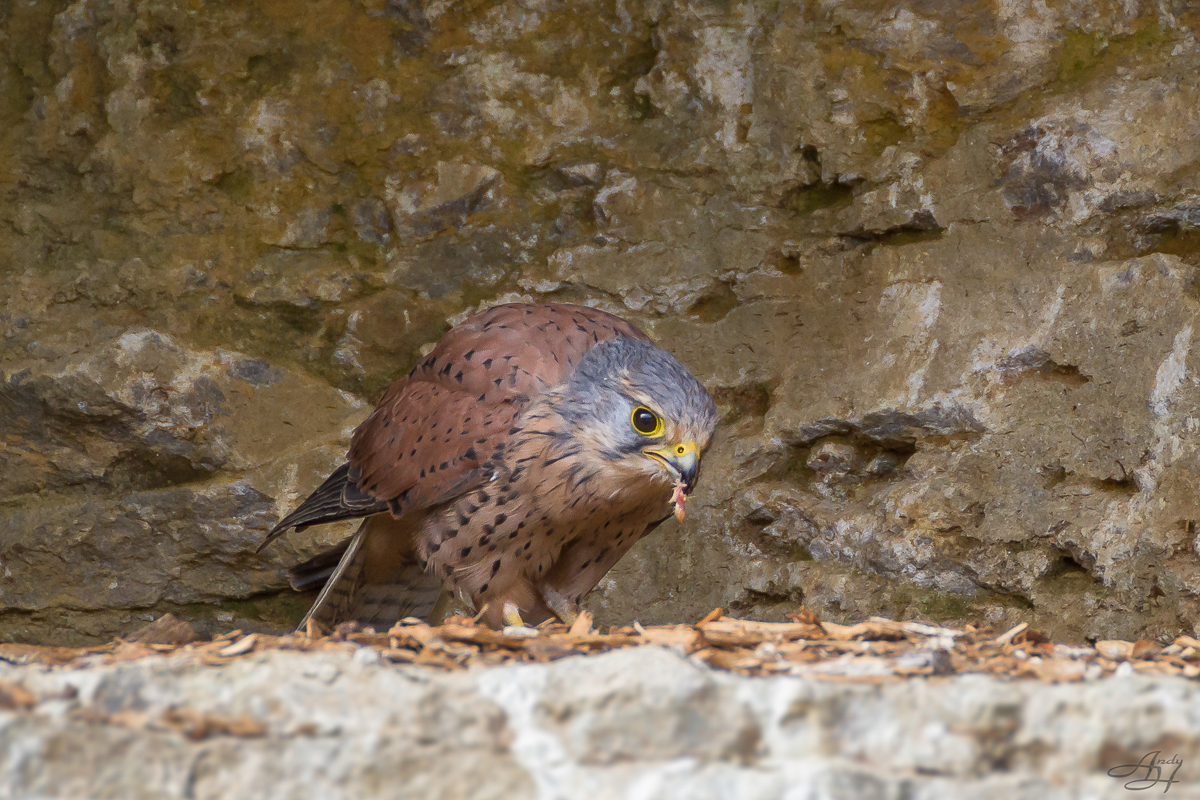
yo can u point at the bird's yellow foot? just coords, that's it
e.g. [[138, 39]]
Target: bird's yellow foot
[[512, 615], [563, 608], [513, 624]]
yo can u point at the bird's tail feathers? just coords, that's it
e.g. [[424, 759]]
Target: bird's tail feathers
[[343, 579], [373, 578], [315, 573]]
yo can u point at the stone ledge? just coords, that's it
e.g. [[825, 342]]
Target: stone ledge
[[644, 722]]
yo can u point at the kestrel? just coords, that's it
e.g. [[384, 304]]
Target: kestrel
[[512, 467]]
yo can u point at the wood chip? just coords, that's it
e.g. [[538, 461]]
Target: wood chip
[[805, 616], [240, 647], [1031, 636], [606, 640], [50, 656], [876, 650], [729, 632], [725, 659], [434, 658], [1009, 634], [683, 638], [1115, 649], [482, 635], [582, 624], [131, 651], [399, 655], [1143, 648], [210, 660], [14, 697], [549, 649], [864, 630], [1060, 670], [412, 635], [369, 639], [920, 628]]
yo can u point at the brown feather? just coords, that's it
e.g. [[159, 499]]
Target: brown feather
[[431, 436], [379, 579]]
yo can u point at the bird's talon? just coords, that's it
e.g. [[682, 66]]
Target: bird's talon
[[512, 616], [563, 608]]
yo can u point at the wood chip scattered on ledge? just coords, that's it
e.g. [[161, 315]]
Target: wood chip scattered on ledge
[[875, 650]]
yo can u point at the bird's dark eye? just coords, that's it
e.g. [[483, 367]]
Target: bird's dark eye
[[646, 422]]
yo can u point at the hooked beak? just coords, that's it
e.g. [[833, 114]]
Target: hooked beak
[[682, 460]]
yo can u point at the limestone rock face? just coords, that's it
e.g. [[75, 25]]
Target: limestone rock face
[[936, 261], [643, 722]]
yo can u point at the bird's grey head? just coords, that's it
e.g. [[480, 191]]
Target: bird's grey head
[[641, 410]]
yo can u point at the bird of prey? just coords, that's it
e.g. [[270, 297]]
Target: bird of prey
[[512, 468]]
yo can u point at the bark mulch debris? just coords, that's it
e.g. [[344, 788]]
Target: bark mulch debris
[[873, 651]]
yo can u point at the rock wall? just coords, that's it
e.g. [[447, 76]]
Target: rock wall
[[640, 723], [936, 260]]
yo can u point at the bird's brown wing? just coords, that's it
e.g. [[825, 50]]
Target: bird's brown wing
[[435, 432]]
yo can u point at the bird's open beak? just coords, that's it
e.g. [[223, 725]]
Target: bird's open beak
[[683, 460]]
